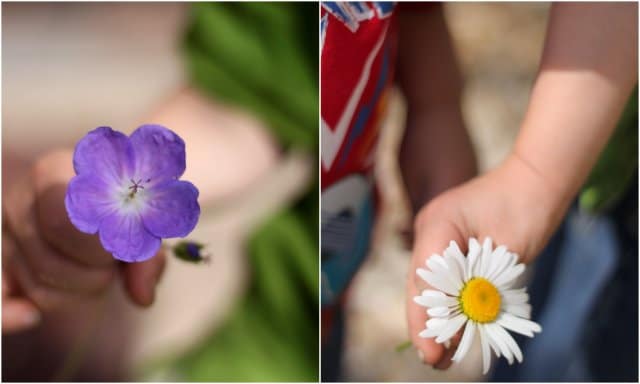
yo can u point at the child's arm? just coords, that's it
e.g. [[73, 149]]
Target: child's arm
[[588, 70], [436, 153]]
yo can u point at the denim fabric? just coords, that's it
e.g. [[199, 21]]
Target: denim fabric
[[569, 293]]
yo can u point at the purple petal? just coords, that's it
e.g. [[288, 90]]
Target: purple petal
[[105, 153], [127, 239], [87, 201], [159, 154], [172, 209]]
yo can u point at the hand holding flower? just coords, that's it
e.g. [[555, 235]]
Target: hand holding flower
[[512, 204], [48, 263]]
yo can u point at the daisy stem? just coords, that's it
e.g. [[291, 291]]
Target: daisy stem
[[403, 346]]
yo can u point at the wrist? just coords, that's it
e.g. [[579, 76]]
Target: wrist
[[542, 202], [557, 194]]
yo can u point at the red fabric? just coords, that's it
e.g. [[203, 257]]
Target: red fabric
[[343, 65]]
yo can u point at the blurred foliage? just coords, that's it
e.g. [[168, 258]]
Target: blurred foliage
[[272, 335], [264, 57], [617, 164]]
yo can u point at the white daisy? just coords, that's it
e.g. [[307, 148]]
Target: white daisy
[[476, 292]]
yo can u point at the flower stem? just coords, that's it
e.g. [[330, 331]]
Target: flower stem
[[403, 346]]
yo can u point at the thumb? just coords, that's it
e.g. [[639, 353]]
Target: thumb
[[51, 174], [432, 236], [141, 279]]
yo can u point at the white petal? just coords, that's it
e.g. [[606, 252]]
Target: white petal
[[455, 249], [472, 258], [436, 323], [422, 273], [498, 259], [519, 325], [473, 244], [454, 252], [515, 296], [438, 282], [428, 333], [509, 275], [437, 258], [423, 301], [439, 266], [432, 298], [456, 270], [509, 260], [434, 327], [451, 328], [492, 343], [489, 265], [487, 248], [433, 293], [465, 341], [436, 261], [454, 267], [497, 338], [486, 352], [511, 343], [438, 311], [521, 310]]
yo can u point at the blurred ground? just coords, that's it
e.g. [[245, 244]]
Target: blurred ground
[[498, 45]]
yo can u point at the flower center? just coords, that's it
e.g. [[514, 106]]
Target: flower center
[[132, 196], [134, 187], [480, 300]]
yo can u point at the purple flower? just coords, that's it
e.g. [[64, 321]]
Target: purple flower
[[127, 190]]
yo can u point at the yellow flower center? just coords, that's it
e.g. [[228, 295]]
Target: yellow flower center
[[480, 300]]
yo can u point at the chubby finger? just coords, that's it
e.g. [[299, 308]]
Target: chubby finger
[[429, 352], [46, 265], [44, 297], [50, 178], [140, 279], [449, 350], [18, 314], [434, 229]]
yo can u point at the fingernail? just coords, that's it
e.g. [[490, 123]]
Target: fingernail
[[421, 355], [30, 318]]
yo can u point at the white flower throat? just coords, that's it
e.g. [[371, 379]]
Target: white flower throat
[[133, 194], [135, 187]]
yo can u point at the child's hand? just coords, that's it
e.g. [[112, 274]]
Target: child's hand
[[47, 261], [512, 204]]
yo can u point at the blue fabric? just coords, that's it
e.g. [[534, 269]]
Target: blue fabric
[[346, 236], [586, 262], [570, 278]]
